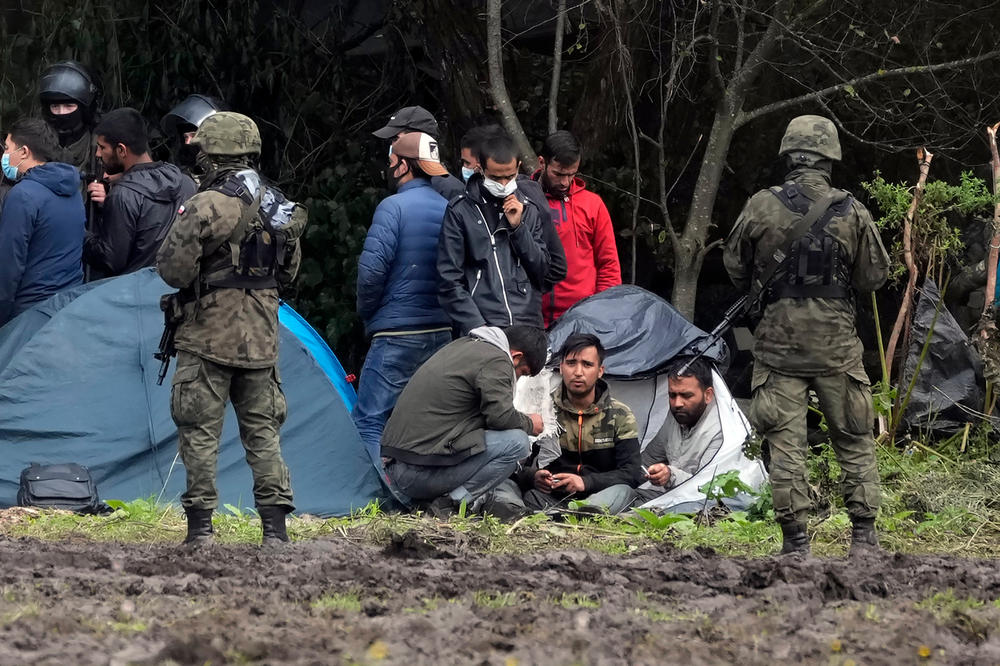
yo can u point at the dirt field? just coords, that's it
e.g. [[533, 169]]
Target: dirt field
[[333, 601]]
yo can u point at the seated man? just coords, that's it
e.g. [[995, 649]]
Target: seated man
[[599, 446], [454, 433], [688, 441]]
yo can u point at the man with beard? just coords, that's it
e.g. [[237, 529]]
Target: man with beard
[[397, 283], [583, 224], [179, 126], [142, 203], [492, 258], [690, 439], [599, 457]]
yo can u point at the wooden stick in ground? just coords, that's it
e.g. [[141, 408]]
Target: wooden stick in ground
[[924, 158], [991, 261]]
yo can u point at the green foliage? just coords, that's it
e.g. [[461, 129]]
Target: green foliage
[[342, 602], [934, 238], [725, 486]]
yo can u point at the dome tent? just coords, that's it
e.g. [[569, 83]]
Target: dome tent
[[78, 384], [642, 334]]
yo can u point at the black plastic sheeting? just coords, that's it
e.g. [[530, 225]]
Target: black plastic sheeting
[[640, 331], [951, 375]]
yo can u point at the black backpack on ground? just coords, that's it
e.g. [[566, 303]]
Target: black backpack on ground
[[66, 486]]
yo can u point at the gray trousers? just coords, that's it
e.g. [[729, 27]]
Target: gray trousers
[[613, 499], [468, 480]]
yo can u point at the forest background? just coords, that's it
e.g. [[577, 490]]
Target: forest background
[[680, 105]]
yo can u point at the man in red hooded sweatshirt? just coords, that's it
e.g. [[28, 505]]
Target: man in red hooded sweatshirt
[[583, 223]]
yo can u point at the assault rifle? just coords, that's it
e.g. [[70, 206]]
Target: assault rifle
[[173, 315], [733, 314]]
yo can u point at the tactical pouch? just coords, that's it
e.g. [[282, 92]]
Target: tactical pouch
[[66, 486]]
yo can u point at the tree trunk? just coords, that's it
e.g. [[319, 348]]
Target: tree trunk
[[924, 158], [498, 86], [556, 67], [688, 255], [991, 261]]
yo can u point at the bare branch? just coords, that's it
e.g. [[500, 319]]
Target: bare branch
[[746, 116], [498, 87], [556, 66]]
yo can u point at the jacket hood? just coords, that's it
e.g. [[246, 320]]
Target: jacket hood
[[62, 179], [578, 184], [602, 399], [159, 181], [495, 336]]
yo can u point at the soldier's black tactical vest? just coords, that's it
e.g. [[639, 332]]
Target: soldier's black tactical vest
[[253, 254], [817, 265]]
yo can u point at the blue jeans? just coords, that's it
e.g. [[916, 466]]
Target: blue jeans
[[391, 361], [468, 480]]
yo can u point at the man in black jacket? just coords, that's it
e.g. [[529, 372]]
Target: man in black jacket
[[142, 203], [492, 256]]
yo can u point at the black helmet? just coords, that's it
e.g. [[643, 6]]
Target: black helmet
[[68, 80], [192, 111]]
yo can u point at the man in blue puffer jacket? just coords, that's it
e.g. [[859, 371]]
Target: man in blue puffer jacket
[[42, 225], [398, 283]]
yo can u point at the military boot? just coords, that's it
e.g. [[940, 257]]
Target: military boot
[[272, 520], [794, 539], [199, 524], [864, 538]]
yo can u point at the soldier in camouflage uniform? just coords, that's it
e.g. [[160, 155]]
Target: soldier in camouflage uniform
[[806, 338], [228, 341], [599, 456]]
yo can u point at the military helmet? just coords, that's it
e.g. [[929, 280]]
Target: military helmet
[[192, 111], [68, 80], [812, 134], [228, 133]]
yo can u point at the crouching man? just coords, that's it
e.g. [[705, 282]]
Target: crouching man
[[690, 439], [599, 457], [454, 433]]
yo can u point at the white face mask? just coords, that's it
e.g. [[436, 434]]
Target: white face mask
[[498, 190]]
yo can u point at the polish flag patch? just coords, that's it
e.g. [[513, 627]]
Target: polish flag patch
[[180, 211]]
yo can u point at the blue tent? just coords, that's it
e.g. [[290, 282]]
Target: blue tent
[[78, 384]]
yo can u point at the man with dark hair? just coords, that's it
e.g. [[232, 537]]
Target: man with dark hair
[[471, 143], [142, 203], [583, 224], [419, 119], [397, 283], [599, 442], [41, 227], [492, 256], [691, 435], [455, 433]]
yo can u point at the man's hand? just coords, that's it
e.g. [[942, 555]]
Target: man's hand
[[658, 474], [569, 483], [543, 480], [537, 425], [513, 208], [97, 192]]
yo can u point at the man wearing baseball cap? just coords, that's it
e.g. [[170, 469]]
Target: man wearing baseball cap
[[418, 119], [398, 282]]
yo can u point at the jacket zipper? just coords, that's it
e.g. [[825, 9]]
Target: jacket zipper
[[479, 274], [496, 262], [579, 441]]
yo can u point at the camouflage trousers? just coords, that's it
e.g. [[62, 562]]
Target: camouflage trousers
[[198, 400], [778, 413]]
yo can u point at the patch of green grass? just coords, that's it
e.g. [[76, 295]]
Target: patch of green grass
[[29, 609], [963, 613], [343, 602], [498, 599], [572, 600]]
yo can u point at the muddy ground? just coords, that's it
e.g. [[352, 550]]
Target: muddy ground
[[335, 601]]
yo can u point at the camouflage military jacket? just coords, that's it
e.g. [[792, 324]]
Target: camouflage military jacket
[[82, 154], [235, 327], [806, 336], [601, 443]]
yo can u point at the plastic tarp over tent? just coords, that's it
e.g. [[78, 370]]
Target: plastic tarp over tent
[[642, 333], [78, 384]]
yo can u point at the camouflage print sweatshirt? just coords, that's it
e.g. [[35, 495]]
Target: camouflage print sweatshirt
[[806, 336], [600, 443], [234, 327]]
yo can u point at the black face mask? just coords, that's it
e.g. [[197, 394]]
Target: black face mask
[[391, 180], [67, 124], [187, 155]]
